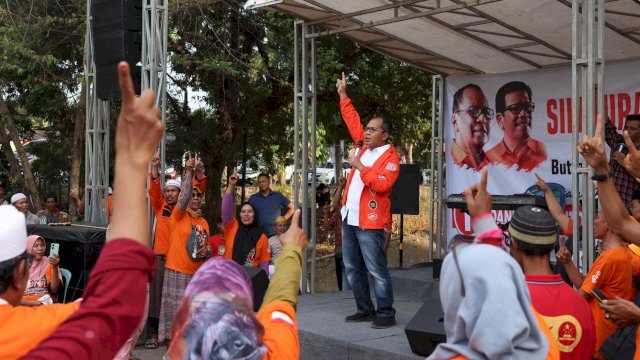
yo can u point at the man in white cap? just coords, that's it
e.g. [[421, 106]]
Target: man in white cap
[[20, 202], [162, 207], [18, 321]]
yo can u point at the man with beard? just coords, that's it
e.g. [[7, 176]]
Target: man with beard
[[514, 107], [471, 118]]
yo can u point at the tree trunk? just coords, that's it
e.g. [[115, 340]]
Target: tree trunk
[[77, 149], [409, 149], [337, 154], [14, 166], [10, 124]]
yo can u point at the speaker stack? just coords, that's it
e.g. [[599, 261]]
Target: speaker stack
[[117, 35]]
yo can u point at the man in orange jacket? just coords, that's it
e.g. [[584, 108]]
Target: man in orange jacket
[[366, 213]]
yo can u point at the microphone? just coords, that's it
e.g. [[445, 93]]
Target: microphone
[[358, 146]]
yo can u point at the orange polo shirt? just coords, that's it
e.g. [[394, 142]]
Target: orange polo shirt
[[23, 327], [461, 158], [262, 246], [280, 331], [530, 155], [182, 225], [611, 273]]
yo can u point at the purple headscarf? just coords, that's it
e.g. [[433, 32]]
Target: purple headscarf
[[215, 319]]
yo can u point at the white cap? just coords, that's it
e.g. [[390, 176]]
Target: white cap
[[17, 196], [173, 182], [13, 232]]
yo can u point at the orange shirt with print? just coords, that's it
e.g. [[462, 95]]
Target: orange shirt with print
[[262, 246], [611, 273], [163, 213], [280, 331], [23, 327], [527, 158], [181, 227], [554, 350], [37, 289]]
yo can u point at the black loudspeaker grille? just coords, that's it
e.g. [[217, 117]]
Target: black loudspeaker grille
[[426, 329], [405, 195], [116, 27]]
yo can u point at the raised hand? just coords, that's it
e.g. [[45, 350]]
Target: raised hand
[[341, 86], [563, 255], [632, 160], [541, 183], [155, 160], [233, 179], [342, 181], [294, 235], [139, 126], [592, 149], [478, 199], [199, 165], [191, 162]]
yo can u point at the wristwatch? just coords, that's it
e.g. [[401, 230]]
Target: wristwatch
[[602, 177]]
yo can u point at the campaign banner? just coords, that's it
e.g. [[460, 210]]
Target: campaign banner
[[518, 125]]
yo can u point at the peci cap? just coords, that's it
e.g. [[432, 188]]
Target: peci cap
[[13, 232], [17, 197], [533, 225], [173, 182]]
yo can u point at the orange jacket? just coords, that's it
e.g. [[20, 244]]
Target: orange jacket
[[378, 179], [163, 212], [280, 331]]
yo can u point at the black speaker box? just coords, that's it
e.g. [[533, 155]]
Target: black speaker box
[[260, 283], [426, 329], [405, 195], [116, 26]]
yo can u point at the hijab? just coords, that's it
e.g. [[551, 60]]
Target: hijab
[[246, 238], [215, 319], [38, 267], [487, 308]]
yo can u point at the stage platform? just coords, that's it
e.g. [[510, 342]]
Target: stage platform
[[324, 334]]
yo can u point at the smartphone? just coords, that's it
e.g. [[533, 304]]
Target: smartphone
[[55, 249], [598, 294]]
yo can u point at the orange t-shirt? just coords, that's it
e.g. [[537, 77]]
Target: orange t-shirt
[[611, 273], [23, 327], [261, 253], [163, 217], [554, 350], [280, 331], [182, 225], [37, 289]]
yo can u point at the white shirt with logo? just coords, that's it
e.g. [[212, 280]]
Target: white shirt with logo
[[351, 210]]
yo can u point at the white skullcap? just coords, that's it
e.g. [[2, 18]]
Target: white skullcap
[[110, 190], [18, 196], [13, 232], [173, 182]]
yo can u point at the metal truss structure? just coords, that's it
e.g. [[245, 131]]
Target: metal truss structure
[[96, 157]]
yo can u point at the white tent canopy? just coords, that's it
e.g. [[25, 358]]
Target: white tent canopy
[[456, 37]]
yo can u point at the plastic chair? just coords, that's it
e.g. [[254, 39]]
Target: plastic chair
[[66, 276]]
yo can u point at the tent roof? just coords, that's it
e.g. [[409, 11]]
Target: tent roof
[[458, 37]]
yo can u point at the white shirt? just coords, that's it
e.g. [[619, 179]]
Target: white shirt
[[351, 210]]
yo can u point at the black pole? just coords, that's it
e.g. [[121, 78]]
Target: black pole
[[401, 246]]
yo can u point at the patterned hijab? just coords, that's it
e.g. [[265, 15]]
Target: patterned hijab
[[487, 308], [38, 267], [215, 319]]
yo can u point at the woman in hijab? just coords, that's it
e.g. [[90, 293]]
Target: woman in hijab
[[246, 244], [44, 274], [487, 308], [216, 319]]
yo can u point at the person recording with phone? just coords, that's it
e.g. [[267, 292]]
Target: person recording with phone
[[625, 183], [44, 274]]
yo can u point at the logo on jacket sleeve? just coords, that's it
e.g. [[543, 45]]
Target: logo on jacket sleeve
[[392, 167], [373, 204]]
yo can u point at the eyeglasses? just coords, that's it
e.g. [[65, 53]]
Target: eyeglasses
[[475, 112], [515, 109], [370, 129], [196, 195]]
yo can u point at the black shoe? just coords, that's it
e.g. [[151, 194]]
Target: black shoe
[[360, 317], [383, 322]]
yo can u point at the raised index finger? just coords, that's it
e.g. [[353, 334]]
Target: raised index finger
[[598, 131], [295, 219], [483, 180], [344, 80], [630, 145], [127, 91]]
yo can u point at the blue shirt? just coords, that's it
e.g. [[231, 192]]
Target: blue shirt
[[268, 208]]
